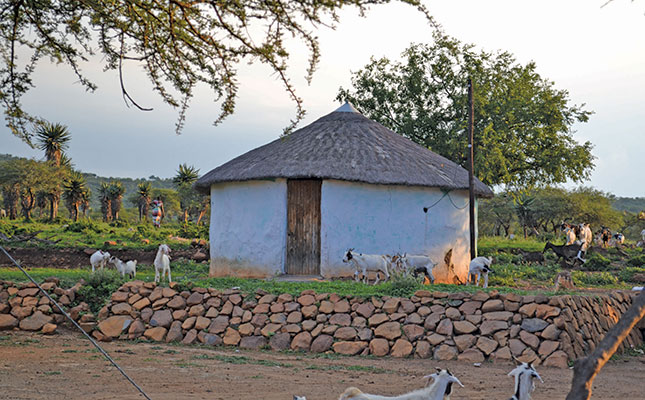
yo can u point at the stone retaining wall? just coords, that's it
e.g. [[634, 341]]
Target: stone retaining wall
[[472, 328]]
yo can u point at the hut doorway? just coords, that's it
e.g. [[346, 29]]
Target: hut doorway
[[303, 227]]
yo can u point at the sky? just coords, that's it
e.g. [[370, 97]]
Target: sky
[[595, 53]]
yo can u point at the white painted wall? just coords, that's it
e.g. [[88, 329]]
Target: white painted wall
[[383, 219], [248, 228]]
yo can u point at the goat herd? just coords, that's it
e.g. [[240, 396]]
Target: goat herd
[[408, 264], [441, 387], [162, 263]]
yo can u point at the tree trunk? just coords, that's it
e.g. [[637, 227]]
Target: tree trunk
[[586, 369], [201, 215], [53, 206], [75, 212], [185, 215]]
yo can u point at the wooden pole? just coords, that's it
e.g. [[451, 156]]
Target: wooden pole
[[471, 168]]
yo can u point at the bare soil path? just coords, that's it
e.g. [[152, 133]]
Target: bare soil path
[[66, 366]]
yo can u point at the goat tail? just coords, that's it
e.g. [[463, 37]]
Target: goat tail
[[350, 393]]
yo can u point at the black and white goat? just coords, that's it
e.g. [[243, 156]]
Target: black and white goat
[[568, 253], [419, 264], [524, 385], [440, 389], [479, 266], [363, 263]]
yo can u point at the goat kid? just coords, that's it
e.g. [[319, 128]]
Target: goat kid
[[440, 389], [99, 259], [419, 265], [363, 263], [162, 263], [524, 385], [125, 268], [479, 266]]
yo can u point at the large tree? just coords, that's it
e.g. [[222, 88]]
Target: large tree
[[54, 139], [75, 190], [523, 124], [178, 44], [189, 198]]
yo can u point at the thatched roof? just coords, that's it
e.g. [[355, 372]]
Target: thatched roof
[[347, 146]]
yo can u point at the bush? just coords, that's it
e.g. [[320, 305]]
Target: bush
[[596, 262], [192, 231], [637, 261], [604, 278], [84, 226], [404, 285], [99, 287], [627, 274]]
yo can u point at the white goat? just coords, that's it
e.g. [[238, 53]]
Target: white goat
[[619, 238], [524, 385], [643, 235], [99, 259], [162, 262], [125, 268], [363, 263], [479, 266], [419, 264], [299, 398], [3, 214], [570, 234], [439, 390]]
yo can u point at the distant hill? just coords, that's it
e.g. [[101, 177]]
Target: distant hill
[[631, 204], [130, 184]]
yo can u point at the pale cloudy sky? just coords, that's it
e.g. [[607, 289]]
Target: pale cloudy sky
[[597, 54]]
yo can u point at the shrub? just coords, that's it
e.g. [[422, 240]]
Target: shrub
[[637, 261], [99, 287], [84, 226], [192, 231], [404, 285], [604, 278], [596, 262], [627, 274]]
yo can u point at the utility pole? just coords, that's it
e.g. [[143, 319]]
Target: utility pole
[[471, 168]]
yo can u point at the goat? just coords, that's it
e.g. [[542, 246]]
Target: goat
[[125, 268], [162, 263], [419, 265], [532, 256], [99, 259], [605, 235], [524, 385], [363, 263], [440, 389], [299, 397], [479, 266], [3, 214], [565, 252], [619, 238], [570, 234], [643, 235]]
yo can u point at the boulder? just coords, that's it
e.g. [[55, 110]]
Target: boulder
[[388, 330], [464, 341], [445, 352], [113, 326], [302, 341], [365, 310], [463, 327], [174, 333], [156, 334], [558, 359], [232, 337], [493, 305], [530, 339], [379, 347], [49, 329], [547, 347], [121, 309], [280, 341], [321, 344], [349, 348], [377, 319], [413, 332], [486, 345], [516, 347], [218, 324], [253, 342], [306, 300], [161, 318], [345, 333], [7, 322], [445, 327], [177, 303], [472, 356], [551, 332], [435, 339], [423, 349], [401, 348], [534, 324], [190, 337], [391, 305], [490, 327], [501, 355]]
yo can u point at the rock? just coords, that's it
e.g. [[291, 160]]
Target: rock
[[391, 305], [493, 305], [7, 322], [462, 327], [201, 323], [136, 329], [157, 334], [401, 348], [359, 322], [232, 337], [530, 339], [218, 324], [498, 316], [177, 302], [49, 329], [345, 333], [259, 309], [311, 311], [445, 353], [270, 329], [326, 307], [308, 325], [121, 309], [118, 297], [469, 307], [550, 332], [435, 339], [486, 345], [341, 319], [471, 356], [489, 327], [464, 341], [547, 347], [21, 312], [306, 300], [388, 330], [414, 318], [528, 309], [321, 344], [453, 314], [190, 337], [113, 326], [501, 355], [141, 304], [280, 341], [528, 356], [341, 306], [432, 320], [545, 311], [445, 327], [199, 256], [209, 339], [365, 334], [302, 341], [558, 359], [379, 347], [161, 318], [252, 342], [294, 317], [349, 348], [377, 319], [174, 333], [413, 332], [365, 310], [267, 299], [423, 349], [516, 347], [534, 324]]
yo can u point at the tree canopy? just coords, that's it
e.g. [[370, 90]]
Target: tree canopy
[[178, 44], [523, 124]]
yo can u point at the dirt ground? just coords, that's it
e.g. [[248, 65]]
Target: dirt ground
[[66, 366]]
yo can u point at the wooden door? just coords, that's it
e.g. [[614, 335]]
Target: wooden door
[[303, 227]]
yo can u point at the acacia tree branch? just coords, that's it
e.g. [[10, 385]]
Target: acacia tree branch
[[586, 369]]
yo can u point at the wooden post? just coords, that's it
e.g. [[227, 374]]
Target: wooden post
[[471, 167]]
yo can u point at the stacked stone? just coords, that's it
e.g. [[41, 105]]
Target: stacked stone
[[23, 306], [585, 320]]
